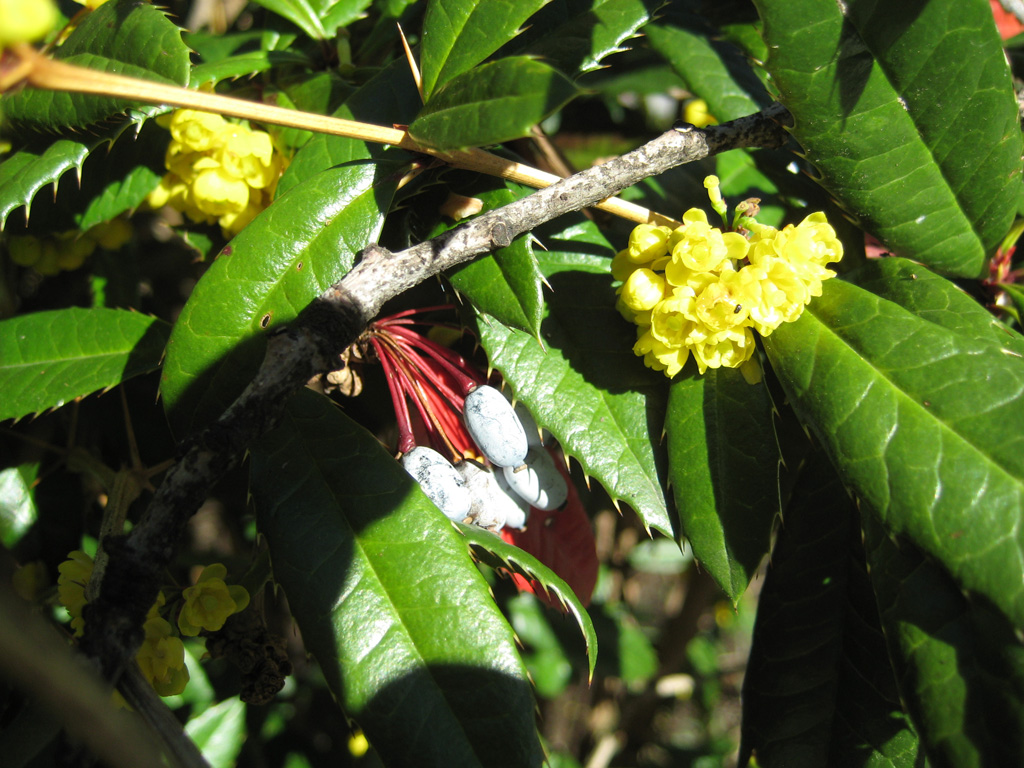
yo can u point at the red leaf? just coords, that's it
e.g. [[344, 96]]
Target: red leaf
[[563, 540]]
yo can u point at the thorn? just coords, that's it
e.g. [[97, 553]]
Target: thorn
[[416, 76], [615, 503]]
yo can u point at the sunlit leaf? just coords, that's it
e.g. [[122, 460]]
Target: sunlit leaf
[[863, 82], [388, 600]]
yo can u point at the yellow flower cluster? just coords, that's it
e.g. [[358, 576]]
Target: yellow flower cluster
[[22, 21], [161, 657], [66, 250], [697, 290], [217, 170]]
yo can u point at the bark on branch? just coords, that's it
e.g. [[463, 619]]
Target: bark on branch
[[312, 344]]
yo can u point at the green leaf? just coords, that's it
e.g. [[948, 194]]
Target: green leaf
[[935, 299], [960, 665], [50, 358], [122, 36], [549, 665], [113, 175], [863, 80], [459, 34], [505, 284], [320, 19], [498, 553], [583, 383], [25, 172], [723, 467], [818, 688], [495, 102], [388, 599], [304, 242], [220, 732], [925, 424], [18, 511], [575, 36], [713, 70], [390, 96]]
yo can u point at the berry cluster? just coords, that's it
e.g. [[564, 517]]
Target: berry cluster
[[161, 657], [66, 250], [696, 290], [217, 170], [501, 469]]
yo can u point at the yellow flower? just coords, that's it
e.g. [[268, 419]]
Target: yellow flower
[[696, 112], [162, 657], [75, 573], [647, 243], [703, 248], [643, 289], [22, 21], [659, 356], [729, 348], [209, 603]]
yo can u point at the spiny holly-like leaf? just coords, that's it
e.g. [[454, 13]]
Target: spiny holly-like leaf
[[500, 554], [723, 467], [459, 34], [289, 254], [25, 172], [122, 36], [388, 599], [924, 423], [496, 102], [863, 81], [713, 70], [959, 664], [113, 175], [239, 54], [507, 283], [575, 36], [818, 688], [583, 383], [50, 358]]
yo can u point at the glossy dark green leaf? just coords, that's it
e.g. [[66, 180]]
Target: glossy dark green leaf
[[959, 664], [935, 299], [575, 36], [505, 284], [459, 34], [723, 468], [865, 82], [498, 553], [388, 600], [50, 358], [818, 689], [495, 102], [122, 36], [390, 96], [583, 383], [924, 423], [305, 241], [713, 70]]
